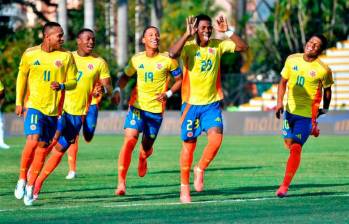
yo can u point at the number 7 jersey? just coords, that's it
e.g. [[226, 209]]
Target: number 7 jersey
[[305, 83], [152, 78]]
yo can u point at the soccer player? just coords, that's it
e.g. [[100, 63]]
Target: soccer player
[[91, 69], [3, 145], [147, 102], [305, 76], [45, 72], [202, 92]]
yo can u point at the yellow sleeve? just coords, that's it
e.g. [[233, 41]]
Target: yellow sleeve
[[285, 73], [227, 46], [70, 82], [1, 86], [104, 72], [328, 79], [175, 70], [184, 53], [22, 80], [130, 69]]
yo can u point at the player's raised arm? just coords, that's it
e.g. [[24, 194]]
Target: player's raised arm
[[223, 27], [175, 50]]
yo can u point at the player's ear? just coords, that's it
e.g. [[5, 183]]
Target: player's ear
[[143, 41]]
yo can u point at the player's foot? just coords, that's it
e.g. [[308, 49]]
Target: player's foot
[[142, 167], [198, 179], [20, 187], [71, 175], [3, 145], [282, 191], [185, 194], [315, 130], [121, 190], [28, 196]]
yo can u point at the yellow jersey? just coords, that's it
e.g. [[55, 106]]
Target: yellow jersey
[[201, 71], [1, 86], [152, 78], [37, 70], [91, 69], [305, 83]]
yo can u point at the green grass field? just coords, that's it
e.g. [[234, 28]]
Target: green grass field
[[239, 185]]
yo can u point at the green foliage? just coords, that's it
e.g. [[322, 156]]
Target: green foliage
[[290, 24]]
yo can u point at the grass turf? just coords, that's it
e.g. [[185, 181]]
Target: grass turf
[[239, 185]]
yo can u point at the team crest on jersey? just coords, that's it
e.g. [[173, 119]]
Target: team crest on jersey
[[295, 68], [58, 63], [211, 50], [218, 119], [141, 66], [312, 73], [33, 127], [190, 134], [90, 66], [284, 133], [159, 66], [37, 62]]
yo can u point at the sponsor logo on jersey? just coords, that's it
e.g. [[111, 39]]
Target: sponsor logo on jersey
[[218, 119], [141, 66], [299, 136], [58, 63], [295, 68], [198, 54], [37, 62]]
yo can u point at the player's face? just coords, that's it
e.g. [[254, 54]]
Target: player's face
[[55, 37], [151, 39], [313, 47], [86, 42], [204, 30]]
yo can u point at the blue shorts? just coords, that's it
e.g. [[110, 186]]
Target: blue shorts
[[36, 122], [143, 121], [296, 127], [69, 126], [199, 118], [90, 120]]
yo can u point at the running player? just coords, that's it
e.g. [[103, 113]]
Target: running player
[[202, 93], [3, 145], [91, 69], [45, 72], [305, 76], [147, 102]]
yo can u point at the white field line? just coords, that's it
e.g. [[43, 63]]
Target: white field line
[[116, 205]]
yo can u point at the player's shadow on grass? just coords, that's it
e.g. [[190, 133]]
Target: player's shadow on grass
[[259, 189], [212, 169]]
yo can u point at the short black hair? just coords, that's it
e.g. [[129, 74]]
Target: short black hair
[[149, 27], [202, 17], [83, 30], [49, 25], [323, 40]]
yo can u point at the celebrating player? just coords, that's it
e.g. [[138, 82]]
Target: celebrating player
[[45, 72], [305, 76], [147, 102], [91, 69], [3, 145], [202, 92]]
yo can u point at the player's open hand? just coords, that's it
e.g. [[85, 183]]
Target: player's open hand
[[19, 111], [279, 111], [162, 97], [55, 86], [191, 26], [221, 24]]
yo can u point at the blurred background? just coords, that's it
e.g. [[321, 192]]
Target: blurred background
[[273, 29]]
